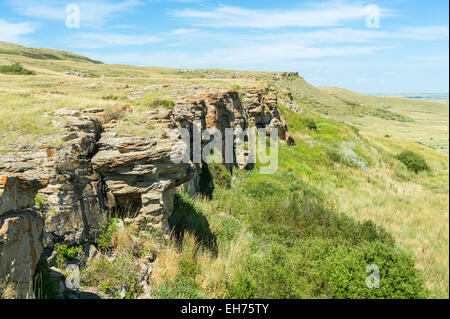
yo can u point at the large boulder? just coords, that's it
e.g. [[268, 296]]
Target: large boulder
[[21, 231]]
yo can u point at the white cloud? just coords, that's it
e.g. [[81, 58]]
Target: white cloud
[[333, 14], [250, 57], [91, 12], [102, 40], [425, 33], [12, 32], [182, 31]]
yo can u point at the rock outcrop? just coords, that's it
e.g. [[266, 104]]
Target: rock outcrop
[[140, 177], [75, 195], [73, 200], [21, 231], [95, 170]]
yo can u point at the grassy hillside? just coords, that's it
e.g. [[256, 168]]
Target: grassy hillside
[[340, 200], [424, 122]]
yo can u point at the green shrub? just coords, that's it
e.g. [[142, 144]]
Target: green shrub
[[317, 268], [345, 272], [262, 189], [152, 101], [66, 254], [39, 201], [413, 161], [15, 68], [110, 97], [107, 230]]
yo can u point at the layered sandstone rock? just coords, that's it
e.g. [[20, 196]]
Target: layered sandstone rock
[[73, 200], [95, 170], [140, 177], [21, 231], [75, 195]]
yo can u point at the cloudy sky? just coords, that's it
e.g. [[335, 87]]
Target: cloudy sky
[[341, 43]]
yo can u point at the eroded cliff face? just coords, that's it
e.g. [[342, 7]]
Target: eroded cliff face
[[96, 170], [21, 231]]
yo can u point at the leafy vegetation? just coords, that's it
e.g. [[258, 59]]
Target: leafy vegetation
[[66, 254], [413, 161], [15, 68], [107, 231], [39, 201]]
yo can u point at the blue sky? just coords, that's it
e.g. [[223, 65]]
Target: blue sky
[[328, 42]]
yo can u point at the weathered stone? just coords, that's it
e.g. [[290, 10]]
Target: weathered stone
[[18, 192], [140, 177], [20, 248], [56, 274], [75, 193], [95, 169], [66, 112], [94, 110]]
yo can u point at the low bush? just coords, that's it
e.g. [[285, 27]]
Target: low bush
[[15, 68], [317, 268], [65, 254], [413, 161], [39, 201], [107, 230], [110, 97]]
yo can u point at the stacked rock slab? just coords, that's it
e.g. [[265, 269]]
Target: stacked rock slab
[[140, 177], [73, 201], [75, 195], [21, 231], [227, 109]]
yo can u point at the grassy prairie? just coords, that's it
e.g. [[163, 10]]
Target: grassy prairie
[[412, 207], [255, 232], [428, 124]]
